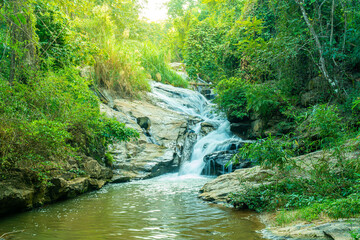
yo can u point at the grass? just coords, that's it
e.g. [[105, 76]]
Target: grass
[[119, 69], [330, 209], [155, 62]]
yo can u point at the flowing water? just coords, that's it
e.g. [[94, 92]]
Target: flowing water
[[194, 104], [165, 207]]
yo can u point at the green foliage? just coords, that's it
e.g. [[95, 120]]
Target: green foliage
[[327, 186], [155, 62], [52, 30], [238, 98], [120, 72], [269, 152], [356, 109], [49, 120], [264, 100], [201, 52], [321, 127], [355, 234], [231, 98], [333, 208], [78, 172]]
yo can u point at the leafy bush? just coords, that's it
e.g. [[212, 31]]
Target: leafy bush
[[52, 118], [264, 100], [356, 109], [333, 208], [330, 187], [231, 98], [268, 152], [322, 127], [52, 30], [201, 52], [119, 71], [117, 61]]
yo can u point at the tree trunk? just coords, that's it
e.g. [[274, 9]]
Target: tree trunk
[[23, 40], [322, 64]]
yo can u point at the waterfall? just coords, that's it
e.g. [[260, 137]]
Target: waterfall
[[194, 104]]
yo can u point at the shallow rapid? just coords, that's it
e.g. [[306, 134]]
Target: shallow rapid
[[165, 207]]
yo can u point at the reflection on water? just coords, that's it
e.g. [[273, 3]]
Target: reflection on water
[[161, 208]]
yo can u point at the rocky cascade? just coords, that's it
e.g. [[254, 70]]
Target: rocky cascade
[[178, 128], [166, 119]]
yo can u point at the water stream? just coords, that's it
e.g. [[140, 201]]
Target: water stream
[[165, 207]]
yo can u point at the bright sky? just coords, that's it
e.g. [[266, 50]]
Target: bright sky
[[155, 10]]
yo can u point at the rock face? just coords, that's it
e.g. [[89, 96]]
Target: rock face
[[20, 191], [165, 139], [218, 190], [241, 129], [215, 163]]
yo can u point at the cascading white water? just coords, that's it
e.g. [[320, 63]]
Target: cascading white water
[[194, 104]]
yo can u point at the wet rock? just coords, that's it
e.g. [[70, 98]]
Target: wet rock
[[242, 130], [208, 93], [144, 122], [231, 144], [172, 141], [206, 128], [257, 128], [185, 149], [15, 196], [218, 190], [120, 179], [215, 163]]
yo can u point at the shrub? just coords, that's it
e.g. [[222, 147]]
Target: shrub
[[322, 127], [268, 152], [264, 100], [356, 109], [231, 98], [51, 118], [117, 62]]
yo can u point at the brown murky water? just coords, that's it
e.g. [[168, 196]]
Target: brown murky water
[[166, 207]]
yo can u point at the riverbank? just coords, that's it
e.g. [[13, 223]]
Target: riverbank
[[303, 223], [21, 190], [165, 120]]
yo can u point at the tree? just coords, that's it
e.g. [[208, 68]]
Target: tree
[[322, 64], [23, 39]]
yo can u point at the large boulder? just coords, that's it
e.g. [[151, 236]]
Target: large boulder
[[166, 142], [219, 189]]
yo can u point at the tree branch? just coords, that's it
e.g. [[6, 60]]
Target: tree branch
[[322, 66]]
